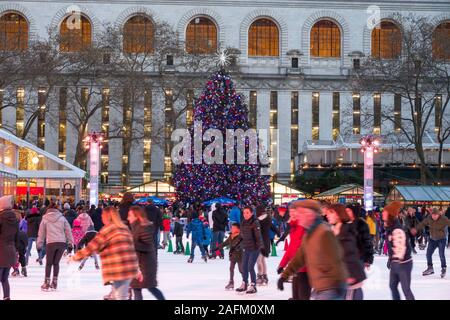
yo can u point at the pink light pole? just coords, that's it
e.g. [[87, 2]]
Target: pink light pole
[[369, 146], [93, 142]]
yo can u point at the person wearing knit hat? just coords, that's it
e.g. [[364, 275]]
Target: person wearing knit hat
[[438, 224], [320, 252], [399, 250]]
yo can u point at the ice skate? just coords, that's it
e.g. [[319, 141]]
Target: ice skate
[[443, 272], [414, 251], [205, 258], [265, 280], [242, 289], [80, 267], [229, 286], [24, 272], [46, 285], [259, 280], [54, 284], [190, 260], [428, 271], [97, 267], [15, 273], [251, 289]]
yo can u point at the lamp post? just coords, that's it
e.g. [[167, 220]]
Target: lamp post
[[369, 146], [93, 143]]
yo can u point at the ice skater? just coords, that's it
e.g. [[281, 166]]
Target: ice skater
[[198, 235], [234, 241]]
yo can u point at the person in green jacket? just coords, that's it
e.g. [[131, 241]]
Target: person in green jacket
[[438, 224]]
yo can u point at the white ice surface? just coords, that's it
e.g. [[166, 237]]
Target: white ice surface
[[206, 281]]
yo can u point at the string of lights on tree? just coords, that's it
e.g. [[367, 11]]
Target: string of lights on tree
[[220, 107]]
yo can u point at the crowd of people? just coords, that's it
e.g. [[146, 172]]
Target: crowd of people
[[328, 246]]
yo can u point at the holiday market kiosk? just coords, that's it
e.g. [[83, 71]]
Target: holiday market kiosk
[[347, 193], [421, 195], [29, 172], [284, 194]]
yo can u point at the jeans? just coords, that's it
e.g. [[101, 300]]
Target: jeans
[[432, 245], [331, 294], [301, 289], [217, 239], [120, 289], [55, 252], [354, 294], [4, 275], [248, 264], [202, 249], [166, 238], [401, 272], [154, 291], [29, 247]]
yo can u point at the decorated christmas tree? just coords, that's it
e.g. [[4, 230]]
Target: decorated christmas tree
[[220, 107]]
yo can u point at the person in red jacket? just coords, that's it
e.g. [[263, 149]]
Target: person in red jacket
[[301, 289], [166, 230]]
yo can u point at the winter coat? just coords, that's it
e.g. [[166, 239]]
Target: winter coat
[[235, 243], [54, 228], [166, 224], [235, 214], [348, 239], [399, 246], [265, 223], [116, 248], [197, 229], [220, 220], [77, 233], [207, 235], [274, 229], [364, 241], [97, 219], [437, 227], [123, 211], [85, 221], [9, 238], [155, 216], [23, 225], [296, 234], [178, 229], [251, 234], [146, 253], [33, 222], [70, 215], [321, 253], [372, 224], [90, 234]]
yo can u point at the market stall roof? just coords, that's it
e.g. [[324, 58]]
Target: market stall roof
[[278, 188], [46, 164], [422, 193], [154, 186], [346, 189]]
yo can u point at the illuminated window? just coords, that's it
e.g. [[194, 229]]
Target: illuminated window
[[126, 135], [336, 114], [201, 36], [76, 34], [441, 41], [438, 111], [386, 41], [41, 118], [263, 39], [325, 40], [252, 109], [397, 112], [356, 113], [169, 122], [138, 34], [273, 110], [377, 113], [294, 124], [13, 32], [147, 131], [189, 108], [62, 123], [20, 111], [105, 130], [315, 115]]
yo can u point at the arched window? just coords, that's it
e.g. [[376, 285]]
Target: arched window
[[441, 41], [325, 40], [13, 32], [138, 35], [75, 33], [201, 36], [263, 39], [386, 41]]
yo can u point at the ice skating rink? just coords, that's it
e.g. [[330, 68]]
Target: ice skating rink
[[206, 281]]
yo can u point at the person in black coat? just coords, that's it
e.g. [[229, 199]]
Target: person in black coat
[[265, 221], [178, 233], [363, 238], [346, 233], [155, 216], [33, 222], [9, 242], [124, 207], [252, 244], [220, 222], [142, 230], [69, 214], [97, 217]]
